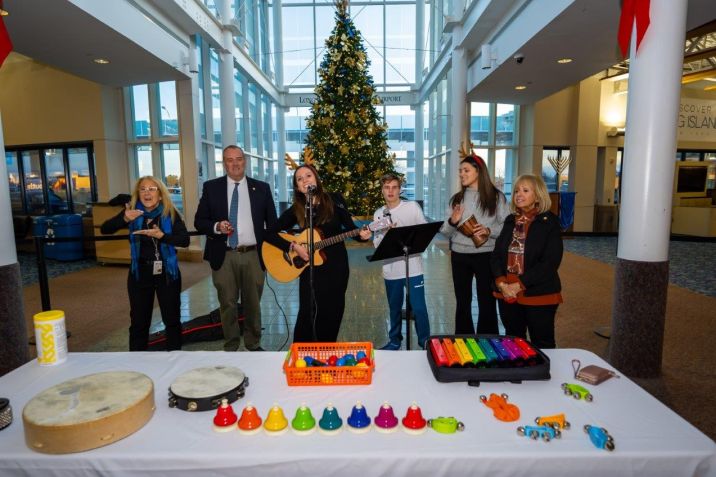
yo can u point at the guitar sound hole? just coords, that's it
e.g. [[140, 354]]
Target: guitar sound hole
[[298, 262]]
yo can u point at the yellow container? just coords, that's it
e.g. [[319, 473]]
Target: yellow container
[[50, 337]]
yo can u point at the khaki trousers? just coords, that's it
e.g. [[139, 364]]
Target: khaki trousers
[[240, 276]]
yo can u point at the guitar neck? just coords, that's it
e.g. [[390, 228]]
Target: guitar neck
[[335, 239]]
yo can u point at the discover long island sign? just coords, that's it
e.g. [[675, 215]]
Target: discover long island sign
[[390, 98], [697, 120]]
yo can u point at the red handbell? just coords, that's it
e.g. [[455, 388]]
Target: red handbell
[[225, 417], [414, 418]]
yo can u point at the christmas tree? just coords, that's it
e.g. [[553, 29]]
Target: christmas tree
[[347, 135]]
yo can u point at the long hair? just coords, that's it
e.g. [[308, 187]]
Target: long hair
[[542, 200], [487, 192], [325, 211], [164, 197]]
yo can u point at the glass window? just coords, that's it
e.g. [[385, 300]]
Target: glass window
[[13, 178], [34, 198], [298, 54], [504, 170], [200, 77], [239, 107], [400, 44], [168, 119], [250, 11], [692, 156], [369, 20], [266, 126], [143, 156], [505, 125], [56, 182], [401, 141], [218, 162], [253, 118], [553, 159], [479, 123], [140, 111], [215, 102], [171, 165], [80, 178]]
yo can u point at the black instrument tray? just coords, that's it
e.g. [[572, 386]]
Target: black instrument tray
[[537, 371]]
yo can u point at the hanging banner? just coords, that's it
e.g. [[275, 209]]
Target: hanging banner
[[697, 120]]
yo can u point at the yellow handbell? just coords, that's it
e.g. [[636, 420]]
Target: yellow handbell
[[276, 422]]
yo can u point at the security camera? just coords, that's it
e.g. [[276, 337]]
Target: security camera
[[519, 58]]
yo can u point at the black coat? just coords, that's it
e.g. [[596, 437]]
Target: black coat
[[543, 254], [214, 207]]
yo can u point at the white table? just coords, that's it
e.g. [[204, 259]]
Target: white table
[[650, 439]]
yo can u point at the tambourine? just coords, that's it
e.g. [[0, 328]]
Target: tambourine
[[202, 389], [5, 413]]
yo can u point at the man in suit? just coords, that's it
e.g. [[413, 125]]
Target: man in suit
[[234, 212]]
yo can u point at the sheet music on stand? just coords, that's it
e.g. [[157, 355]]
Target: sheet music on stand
[[404, 242]]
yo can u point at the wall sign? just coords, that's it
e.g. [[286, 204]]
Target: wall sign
[[389, 98], [697, 120]]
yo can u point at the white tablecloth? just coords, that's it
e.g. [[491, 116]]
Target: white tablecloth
[[650, 439]]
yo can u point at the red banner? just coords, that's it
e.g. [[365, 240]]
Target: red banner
[[633, 10], [5, 43]]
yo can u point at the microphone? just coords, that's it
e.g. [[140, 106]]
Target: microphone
[[311, 189]]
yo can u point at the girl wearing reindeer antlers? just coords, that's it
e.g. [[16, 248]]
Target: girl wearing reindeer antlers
[[477, 213]]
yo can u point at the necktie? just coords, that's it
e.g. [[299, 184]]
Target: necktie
[[233, 217]]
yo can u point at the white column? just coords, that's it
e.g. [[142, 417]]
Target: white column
[[8, 254], [419, 150], [281, 153], [278, 43], [419, 44], [650, 140], [458, 120], [226, 92], [226, 79]]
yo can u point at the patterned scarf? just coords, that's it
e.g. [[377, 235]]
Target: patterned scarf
[[516, 250], [167, 252]]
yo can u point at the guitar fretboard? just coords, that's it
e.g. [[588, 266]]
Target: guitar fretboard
[[335, 239]]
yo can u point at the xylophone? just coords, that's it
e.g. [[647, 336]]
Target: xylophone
[[476, 358]]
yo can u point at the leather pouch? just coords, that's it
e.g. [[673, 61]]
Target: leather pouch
[[592, 374]]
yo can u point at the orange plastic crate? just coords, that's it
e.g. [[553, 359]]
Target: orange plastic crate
[[328, 375]]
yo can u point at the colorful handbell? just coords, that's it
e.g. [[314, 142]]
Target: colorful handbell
[[386, 421], [276, 423], [225, 417], [303, 422], [330, 423], [359, 421], [250, 421], [414, 422]]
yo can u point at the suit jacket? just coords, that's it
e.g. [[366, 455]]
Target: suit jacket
[[543, 254], [214, 207]]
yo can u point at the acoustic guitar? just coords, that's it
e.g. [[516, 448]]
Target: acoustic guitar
[[286, 266]]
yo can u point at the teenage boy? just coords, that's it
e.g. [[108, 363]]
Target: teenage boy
[[402, 213]]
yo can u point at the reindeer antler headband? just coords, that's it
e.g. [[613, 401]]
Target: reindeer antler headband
[[307, 159], [470, 156]]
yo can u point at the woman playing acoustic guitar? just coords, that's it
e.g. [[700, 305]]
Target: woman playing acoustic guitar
[[330, 280]]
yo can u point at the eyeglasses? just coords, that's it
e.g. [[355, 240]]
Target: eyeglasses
[[149, 189]]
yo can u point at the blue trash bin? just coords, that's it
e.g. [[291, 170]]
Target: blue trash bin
[[61, 226]]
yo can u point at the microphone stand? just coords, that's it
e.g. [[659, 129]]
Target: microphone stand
[[309, 211]]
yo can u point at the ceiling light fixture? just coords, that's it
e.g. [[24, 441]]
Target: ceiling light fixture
[[101, 61], [4, 13], [564, 61], [520, 87]]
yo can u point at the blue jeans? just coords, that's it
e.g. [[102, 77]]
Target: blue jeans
[[394, 289]]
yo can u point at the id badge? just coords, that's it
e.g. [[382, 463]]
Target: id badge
[[157, 267]]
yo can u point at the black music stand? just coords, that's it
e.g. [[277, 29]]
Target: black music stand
[[404, 242]]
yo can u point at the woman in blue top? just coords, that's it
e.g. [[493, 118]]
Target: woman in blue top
[[155, 227]]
